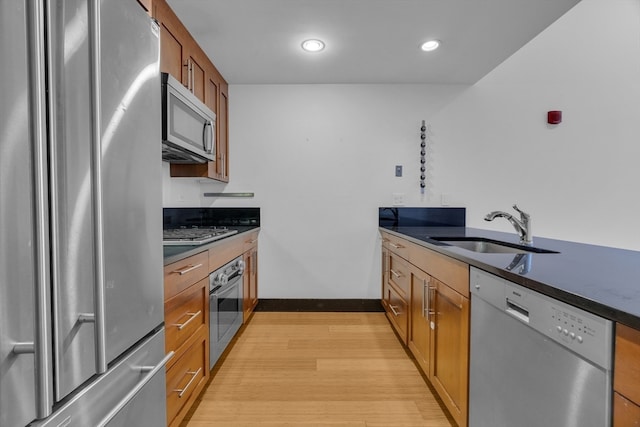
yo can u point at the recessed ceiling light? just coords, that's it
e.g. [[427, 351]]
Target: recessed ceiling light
[[313, 45], [430, 45]]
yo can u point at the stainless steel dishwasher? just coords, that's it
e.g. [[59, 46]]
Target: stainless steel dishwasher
[[535, 361]]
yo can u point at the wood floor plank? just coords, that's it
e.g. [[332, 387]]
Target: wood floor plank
[[318, 369]]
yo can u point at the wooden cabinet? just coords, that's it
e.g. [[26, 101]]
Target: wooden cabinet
[[626, 378], [250, 285], [450, 349], [186, 377], [180, 55], [421, 310], [222, 141], [432, 293], [397, 312], [396, 289], [184, 59], [186, 312], [186, 316], [174, 40]]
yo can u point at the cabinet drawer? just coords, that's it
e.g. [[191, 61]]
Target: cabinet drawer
[[399, 275], [446, 269], [184, 273], [625, 412], [250, 241], [185, 313], [396, 245], [626, 379], [185, 376], [225, 251], [397, 312]]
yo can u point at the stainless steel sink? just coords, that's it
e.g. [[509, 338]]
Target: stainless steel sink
[[488, 246]]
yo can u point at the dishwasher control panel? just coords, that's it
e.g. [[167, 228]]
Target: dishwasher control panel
[[584, 333]]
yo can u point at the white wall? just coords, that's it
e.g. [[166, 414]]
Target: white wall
[[579, 180], [321, 158]]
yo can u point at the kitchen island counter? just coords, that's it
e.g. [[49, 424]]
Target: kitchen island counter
[[599, 279]]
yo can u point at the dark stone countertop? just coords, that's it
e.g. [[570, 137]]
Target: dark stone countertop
[[599, 279], [178, 252]]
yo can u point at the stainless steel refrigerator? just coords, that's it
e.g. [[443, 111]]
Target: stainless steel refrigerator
[[81, 292]]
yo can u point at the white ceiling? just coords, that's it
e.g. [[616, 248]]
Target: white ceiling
[[368, 41]]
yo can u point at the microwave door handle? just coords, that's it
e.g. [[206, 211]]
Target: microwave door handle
[[211, 138], [207, 137]]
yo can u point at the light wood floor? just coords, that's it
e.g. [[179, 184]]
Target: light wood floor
[[318, 369]]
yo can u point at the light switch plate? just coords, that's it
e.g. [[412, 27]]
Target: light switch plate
[[398, 199], [398, 170]]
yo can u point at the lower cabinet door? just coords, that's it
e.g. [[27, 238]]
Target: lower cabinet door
[[450, 349], [419, 331], [186, 376], [625, 412]]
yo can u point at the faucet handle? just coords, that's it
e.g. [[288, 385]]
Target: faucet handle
[[523, 215]]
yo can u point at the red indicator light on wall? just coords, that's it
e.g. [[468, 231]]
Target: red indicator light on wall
[[554, 117]]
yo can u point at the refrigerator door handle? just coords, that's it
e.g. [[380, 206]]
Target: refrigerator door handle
[[37, 111], [24, 348], [86, 318], [151, 371], [96, 113]]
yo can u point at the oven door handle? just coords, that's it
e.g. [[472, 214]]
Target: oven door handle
[[217, 291]]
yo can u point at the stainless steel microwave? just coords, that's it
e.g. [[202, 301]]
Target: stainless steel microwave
[[188, 125]]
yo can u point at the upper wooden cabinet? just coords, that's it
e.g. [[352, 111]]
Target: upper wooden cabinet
[[185, 60]]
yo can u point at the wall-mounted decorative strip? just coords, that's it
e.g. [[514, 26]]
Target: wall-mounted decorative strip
[[229, 194], [423, 156]]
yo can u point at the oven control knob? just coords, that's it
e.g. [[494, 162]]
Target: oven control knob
[[240, 264], [221, 279]]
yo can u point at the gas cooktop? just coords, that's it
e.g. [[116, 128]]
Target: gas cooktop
[[194, 236]]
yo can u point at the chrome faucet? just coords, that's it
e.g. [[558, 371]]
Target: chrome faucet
[[522, 226]]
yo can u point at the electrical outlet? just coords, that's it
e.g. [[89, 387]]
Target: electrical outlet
[[398, 199]]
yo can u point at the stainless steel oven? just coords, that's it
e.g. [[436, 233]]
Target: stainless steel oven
[[225, 307]]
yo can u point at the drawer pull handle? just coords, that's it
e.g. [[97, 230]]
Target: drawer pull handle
[[396, 246], [393, 308], [398, 275], [187, 269], [425, 298], [251, 242], [181, 326], [194, 375]]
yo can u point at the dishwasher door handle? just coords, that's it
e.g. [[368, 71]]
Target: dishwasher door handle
[[517, 311]]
